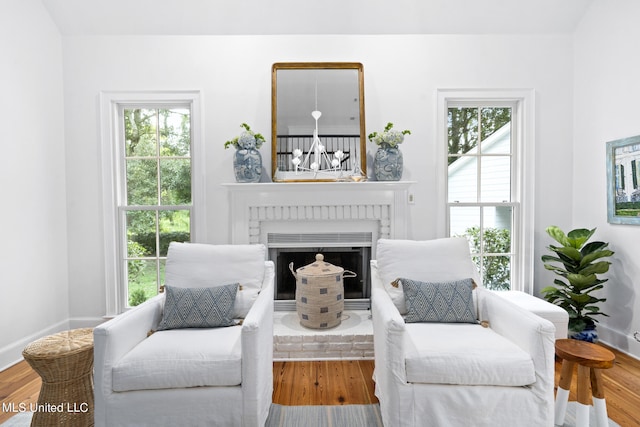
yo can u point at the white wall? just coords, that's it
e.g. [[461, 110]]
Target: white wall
[[607, 90], [402, 74], [33, 256]]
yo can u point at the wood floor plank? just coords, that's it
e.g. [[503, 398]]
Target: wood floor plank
[[325, 382], [19, 384]]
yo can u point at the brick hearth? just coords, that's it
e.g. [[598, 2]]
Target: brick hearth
[[352, 339]]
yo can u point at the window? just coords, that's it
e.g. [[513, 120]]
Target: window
[[484, 185], [155, 206], [151, 144]]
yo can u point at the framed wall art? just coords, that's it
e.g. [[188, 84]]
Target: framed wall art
[[623, 181]]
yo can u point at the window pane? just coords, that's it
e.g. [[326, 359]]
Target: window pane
[[496, 272], [142, 182], [142, 280], [174, 227], [175, 181], [495, 179], [462, 129], [465, 221], [497, 223], [496, 136], [163, 265], [462, 180], [141, 229], [140, 132], [175, 132]]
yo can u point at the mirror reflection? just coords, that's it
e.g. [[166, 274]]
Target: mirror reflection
[[318, 122]]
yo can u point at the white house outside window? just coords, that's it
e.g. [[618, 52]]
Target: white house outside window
[[485, 185]]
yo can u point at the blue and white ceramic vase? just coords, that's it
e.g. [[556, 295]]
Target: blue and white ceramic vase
[[247, 165], [387, 163], [589, 334]]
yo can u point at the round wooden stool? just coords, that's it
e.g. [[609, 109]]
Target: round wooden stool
[[65, 363], [591, 359]]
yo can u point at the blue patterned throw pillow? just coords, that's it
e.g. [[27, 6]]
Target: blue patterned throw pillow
[[447, 302], [198, 307]]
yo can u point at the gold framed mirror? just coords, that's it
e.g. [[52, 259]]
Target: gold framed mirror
[[317, 121]]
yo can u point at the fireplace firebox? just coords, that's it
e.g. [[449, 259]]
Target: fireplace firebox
[[357, 290]]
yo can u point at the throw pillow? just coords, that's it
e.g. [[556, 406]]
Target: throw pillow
[[203, 265], [445, 302], [198, 307]]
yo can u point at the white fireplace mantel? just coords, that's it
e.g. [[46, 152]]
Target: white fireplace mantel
[[323, 203]]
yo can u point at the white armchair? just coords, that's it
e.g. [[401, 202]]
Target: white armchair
[[456, 374], [196, 376]]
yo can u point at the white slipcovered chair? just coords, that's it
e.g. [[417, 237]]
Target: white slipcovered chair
[[193, 376], [438, 372]]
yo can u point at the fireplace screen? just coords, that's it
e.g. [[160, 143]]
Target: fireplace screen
[[354, 259]]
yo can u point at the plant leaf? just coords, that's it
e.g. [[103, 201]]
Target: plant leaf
[[581, 281], [570, 252], [577, 325], [597, 268], [557, 234], [580, 298], [592, 256], [560, 283], [560, 271], [566, 260], [593, 246], [596, 286], [579, 236], [550, 258]]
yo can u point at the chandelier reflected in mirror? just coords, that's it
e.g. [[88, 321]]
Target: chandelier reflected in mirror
[[317, 160]]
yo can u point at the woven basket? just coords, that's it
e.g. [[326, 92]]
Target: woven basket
[[320, 293], [64, 361]]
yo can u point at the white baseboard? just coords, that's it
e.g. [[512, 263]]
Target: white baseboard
[[12, 353], [625, 343]]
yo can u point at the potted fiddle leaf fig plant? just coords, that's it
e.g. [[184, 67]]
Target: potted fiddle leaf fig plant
[[577, 263]]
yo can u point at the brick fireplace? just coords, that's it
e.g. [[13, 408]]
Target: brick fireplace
[[342, 220], [295, 220]]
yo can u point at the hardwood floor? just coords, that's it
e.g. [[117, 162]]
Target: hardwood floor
[[345, 382], [349, 382], [18, 384]]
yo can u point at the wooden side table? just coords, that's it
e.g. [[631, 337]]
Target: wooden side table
[[65, 363], [591, 359]]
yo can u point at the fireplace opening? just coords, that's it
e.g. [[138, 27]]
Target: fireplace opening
[[349, 250], [355, 259]]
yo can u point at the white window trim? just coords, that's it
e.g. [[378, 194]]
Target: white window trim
[[110, 102], [524, 186]]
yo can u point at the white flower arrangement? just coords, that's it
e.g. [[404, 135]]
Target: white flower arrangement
[[247, 139], [389, 137]]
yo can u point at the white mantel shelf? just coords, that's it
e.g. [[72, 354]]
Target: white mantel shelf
[[253, 205], [321, 185]]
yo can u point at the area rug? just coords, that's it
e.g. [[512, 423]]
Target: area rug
[[321, 416], [21, 419], [317, 416]]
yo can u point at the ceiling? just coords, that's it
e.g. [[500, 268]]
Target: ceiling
[[270, 17]]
